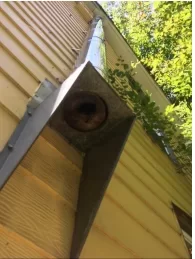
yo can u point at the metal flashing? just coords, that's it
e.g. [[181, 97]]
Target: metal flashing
[[99, 165], [39, 111]]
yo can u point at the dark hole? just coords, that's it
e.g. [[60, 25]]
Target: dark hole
[[87, 108]]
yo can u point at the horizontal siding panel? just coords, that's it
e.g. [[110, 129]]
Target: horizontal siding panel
[[32, 43], [137, 208], [171, 175], [9, 91], [74, 36], [145, 194], [70, 7], [85, 12], [13, 70], [155, 175], [119, 225], [48, 164], [55, 28], [7, 126], [33, 212], [154, 153], [139, 170], [44, 32], [177, 181], [62, 146], [160, 158], [100, 245], [15, 246], [33, 66], [36, 43], [56, 20], [180, 184]]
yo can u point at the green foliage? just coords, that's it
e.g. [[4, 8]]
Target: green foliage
[[161, 37], [160, 33], [149, 114]]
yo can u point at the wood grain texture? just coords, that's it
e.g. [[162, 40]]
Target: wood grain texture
[[38, 203], [32, 211], [61, 145], [13, 245], [48, 164]]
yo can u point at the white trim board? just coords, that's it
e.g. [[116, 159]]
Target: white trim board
[[120, 47]]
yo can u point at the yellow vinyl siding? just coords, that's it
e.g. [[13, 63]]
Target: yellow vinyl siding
[[84, 11], [7, 125], [33, 211], [54, 139], [101, 245], [15, 246], [26, 83], [160, 159], [45, 33], [136, 209], [36, 43], [38, 203], [54, 169], [8, 92], [153, 159]]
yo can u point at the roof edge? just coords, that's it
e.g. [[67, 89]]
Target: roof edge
[[144, 78]]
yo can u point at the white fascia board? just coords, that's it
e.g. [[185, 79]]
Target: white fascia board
[[120, 47]]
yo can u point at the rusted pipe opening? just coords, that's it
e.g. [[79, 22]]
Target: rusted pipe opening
[[87, 108], [85, 111]]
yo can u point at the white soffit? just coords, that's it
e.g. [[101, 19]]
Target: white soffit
[[120, 47]]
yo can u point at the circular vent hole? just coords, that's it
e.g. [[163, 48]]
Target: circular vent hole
[[87, 109]]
